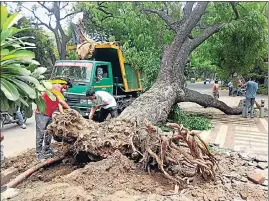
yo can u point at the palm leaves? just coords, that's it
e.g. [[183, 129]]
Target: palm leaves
[[19, 85]]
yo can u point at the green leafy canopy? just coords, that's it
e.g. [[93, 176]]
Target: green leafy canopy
[[20, 86]]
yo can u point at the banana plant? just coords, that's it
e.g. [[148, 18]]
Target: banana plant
[[20, 85]]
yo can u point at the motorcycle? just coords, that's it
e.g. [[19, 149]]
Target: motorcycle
[[6, 118], [240, 92]]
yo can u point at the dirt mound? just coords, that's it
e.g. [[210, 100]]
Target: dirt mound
[[118, 178]]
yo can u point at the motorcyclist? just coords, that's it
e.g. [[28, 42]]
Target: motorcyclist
[[20, 118]]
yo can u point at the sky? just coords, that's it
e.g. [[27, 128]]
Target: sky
[[40, 12]]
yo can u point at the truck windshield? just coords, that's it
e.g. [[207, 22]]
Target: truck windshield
[[74, 72]]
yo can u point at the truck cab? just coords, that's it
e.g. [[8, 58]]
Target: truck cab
[[105, 71]]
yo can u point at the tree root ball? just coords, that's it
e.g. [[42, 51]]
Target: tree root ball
[[148, 146]]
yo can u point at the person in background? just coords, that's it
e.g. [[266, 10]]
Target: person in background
[[251, 90], [42, 121], [2, 150], [103, 100], [230, 85], [239, 85], [20, 118], [216, 89]]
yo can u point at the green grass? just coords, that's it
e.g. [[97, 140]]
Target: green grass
[[190, 121], [262, 90]]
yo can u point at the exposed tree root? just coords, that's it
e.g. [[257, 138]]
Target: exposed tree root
[[13, 183], [179, 158]]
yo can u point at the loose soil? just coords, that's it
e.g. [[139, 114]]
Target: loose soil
[[113, 174], [118, 178]]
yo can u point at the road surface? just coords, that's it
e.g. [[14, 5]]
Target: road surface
[[18, 140]]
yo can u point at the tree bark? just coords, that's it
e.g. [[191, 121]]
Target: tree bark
[[154, 105]]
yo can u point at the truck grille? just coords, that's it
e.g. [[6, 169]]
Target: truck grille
[[73, 100]]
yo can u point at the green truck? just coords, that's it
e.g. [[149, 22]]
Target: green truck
[[105, 71]]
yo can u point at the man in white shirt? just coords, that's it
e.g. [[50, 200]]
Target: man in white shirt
[[103, 100], [230, 85], [76, 24]]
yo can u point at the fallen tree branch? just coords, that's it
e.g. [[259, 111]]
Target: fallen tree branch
[[208, 101]]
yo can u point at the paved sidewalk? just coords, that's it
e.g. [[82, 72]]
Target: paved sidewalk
[[234, 132]]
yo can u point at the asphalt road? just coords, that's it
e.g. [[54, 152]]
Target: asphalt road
[[201, 87], [18, 139]]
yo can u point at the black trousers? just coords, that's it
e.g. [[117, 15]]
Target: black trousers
[[105, 112], [230, 91]]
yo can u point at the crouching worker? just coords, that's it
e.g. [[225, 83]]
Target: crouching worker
[[103, 100], [42, 121]]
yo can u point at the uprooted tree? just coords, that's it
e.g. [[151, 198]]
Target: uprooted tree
[[155, 104], [133, 133], [147, 145]]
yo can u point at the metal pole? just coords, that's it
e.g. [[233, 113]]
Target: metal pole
[[262, 109], [244, 112]]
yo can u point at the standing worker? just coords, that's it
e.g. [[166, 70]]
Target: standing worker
[[239, 86], [231, 86], [251, 90], [42, 121], [103, 100], [216, 89]]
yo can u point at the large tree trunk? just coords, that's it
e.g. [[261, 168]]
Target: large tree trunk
[[155, 104]]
